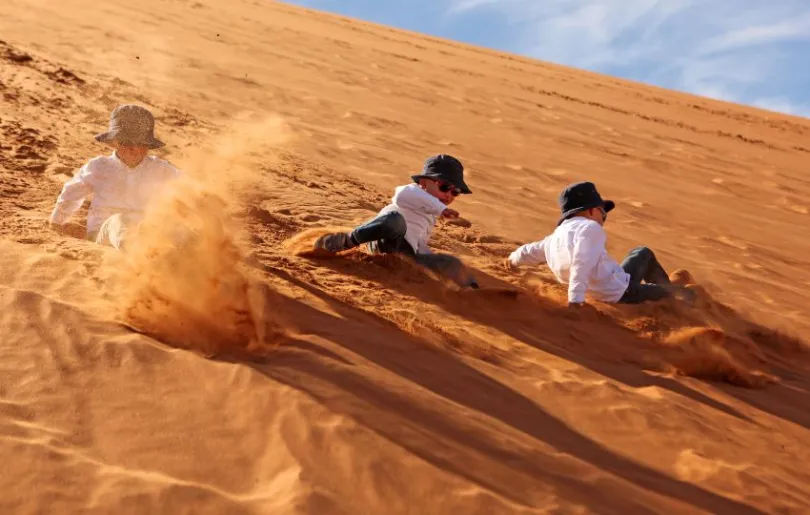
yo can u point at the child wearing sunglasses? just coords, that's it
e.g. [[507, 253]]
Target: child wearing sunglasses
[[577, 256], [404, 226]]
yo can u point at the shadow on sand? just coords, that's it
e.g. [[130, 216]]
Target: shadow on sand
[[467, 442]]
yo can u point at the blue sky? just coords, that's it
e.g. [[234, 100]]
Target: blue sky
[[748, 51]]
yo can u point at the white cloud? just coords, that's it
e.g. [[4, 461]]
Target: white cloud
[[782, 105], [747, 51], [791, 29]]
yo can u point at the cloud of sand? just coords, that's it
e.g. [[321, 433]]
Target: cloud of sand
[[709, 340], [182, 278], [708, 353], [705, 339]]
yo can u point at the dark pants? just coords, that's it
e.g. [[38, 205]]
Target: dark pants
[[385, 234], [642, 265]]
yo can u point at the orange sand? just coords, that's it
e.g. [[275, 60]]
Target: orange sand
[[241, 376]]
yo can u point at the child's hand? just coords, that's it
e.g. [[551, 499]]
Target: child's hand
[[450, 213], [507, 263], [579, 310]]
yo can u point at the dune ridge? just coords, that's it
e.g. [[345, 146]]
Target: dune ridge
[[232, 372]]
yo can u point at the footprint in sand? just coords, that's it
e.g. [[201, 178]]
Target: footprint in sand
[[732, 242], [691, 466], [650, 392]]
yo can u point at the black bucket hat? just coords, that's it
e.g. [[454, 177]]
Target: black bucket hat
[[131, 124], [444, 168], [580, 197]]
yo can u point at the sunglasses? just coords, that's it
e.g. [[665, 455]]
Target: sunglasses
[[604, 214], [444, 187]]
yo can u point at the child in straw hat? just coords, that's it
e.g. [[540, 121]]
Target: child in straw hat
[[122, 183]]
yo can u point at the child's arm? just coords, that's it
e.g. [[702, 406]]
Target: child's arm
[[529, 254], [589, 246], [72, 197], [416, 199]]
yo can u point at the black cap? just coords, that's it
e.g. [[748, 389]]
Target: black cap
[[445, 168], [580, 197]]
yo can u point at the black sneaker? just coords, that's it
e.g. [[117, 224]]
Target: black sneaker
[[335, 242]]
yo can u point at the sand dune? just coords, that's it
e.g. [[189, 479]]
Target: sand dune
[[242, 376]]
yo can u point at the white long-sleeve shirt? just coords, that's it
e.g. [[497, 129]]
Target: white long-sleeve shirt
[[420, 210], [576, 254], [115, 187]]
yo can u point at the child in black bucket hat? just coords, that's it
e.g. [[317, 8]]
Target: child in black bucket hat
[[576, 254], [121, 184], [405, 225]]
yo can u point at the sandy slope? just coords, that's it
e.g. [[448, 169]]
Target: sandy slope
[[388, 391]]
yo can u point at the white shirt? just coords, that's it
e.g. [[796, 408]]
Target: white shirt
[[420, 210], [576, 253], [115, 187]]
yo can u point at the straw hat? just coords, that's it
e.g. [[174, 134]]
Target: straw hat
[[133, 125]]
